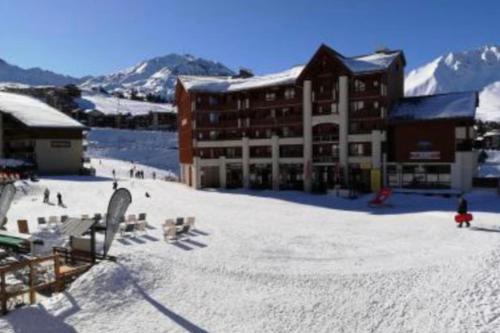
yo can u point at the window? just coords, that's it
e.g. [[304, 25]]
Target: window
[[359, 86], [270, 96], [383, 89], [214, 118], [375, 83], [334, 108], [213, 135], [289, 93], [247, 103], [212, 100], [60, 144], [273, 113], [360, 149], [285, 111], [286, 131], [376, 105], [239, 104], [357, 105]]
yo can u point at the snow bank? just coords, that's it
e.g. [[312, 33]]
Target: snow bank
[[263, 261]]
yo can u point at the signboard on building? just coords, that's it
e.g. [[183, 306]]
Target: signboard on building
[[425, 155]]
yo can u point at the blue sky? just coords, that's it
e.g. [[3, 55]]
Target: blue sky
[[80, 37]]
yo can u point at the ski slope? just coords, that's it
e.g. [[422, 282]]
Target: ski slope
[[273, 262], [156, 149]]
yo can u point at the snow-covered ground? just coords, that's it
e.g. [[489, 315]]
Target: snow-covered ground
[[491, 168], [110, 105], [274, 262], [156, 149]]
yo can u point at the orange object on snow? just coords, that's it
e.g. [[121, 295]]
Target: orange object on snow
[[460, 218]]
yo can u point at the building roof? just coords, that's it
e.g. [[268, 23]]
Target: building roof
[[433, 107], [229, 83], [370, 63], [374, 62], [495, 132], [34, 113]]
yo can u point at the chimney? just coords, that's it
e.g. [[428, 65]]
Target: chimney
[[244, 73]]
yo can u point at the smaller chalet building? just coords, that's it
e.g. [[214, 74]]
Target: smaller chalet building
[[430, 141], [36, 133]]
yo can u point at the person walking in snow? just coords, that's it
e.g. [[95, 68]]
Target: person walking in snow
[[462, 210], [114, 173], [131, 173], [46, 196], [115, 185], [154, 175], [59, 199]]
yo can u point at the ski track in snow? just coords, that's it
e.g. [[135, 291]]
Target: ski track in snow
[[274, 262]]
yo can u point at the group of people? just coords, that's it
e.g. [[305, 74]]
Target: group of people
[[46, 198]]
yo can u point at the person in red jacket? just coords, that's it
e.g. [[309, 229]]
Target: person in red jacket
[[463, 210]]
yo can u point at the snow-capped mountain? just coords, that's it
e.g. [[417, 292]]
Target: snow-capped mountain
[[158, 75], [477, 69], [33, 76]]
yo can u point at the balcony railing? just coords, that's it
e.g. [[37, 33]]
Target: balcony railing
[[325, 159], [365, 113], [325, 138]]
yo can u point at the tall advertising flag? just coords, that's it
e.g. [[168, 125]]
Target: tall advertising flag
[[6, 197], [118, 205]]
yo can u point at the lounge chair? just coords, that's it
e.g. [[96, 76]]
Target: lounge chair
[[142, 217], [190, 222], [131, 218], [22, 226], [170, 233], [141, 226], [53, 220], [42, 223], [97, 217], [169, 223], [64, 218], [128, 228], [179, 221]]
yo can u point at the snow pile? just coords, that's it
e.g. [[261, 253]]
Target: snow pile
[[34, 113], [274, 262], [477, 70], [110, 105], [156, 149]]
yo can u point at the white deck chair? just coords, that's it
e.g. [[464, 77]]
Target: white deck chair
[[169, 223], [170, 233], [141, 226], [131, 218], [190, 222], [53, 220]]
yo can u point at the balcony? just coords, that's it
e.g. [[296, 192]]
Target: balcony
[[220, 124], [326, 138], [365, 113], [279, 102], [325, 159]]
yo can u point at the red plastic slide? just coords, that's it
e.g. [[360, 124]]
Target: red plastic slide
[[381, 196]]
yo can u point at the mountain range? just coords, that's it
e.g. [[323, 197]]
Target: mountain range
[[156, 76], [477, 69]]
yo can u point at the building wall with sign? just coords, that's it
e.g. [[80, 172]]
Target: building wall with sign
[[57, 156]]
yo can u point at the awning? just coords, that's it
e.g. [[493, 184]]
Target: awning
[[11, 242]]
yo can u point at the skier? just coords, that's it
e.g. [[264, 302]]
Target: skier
[[114, 173], [115, 185], [462, 210], [59, 200], [132, 173], [46, 196], [154, 175]]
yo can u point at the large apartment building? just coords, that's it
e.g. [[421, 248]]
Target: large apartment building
[[310, 127]]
